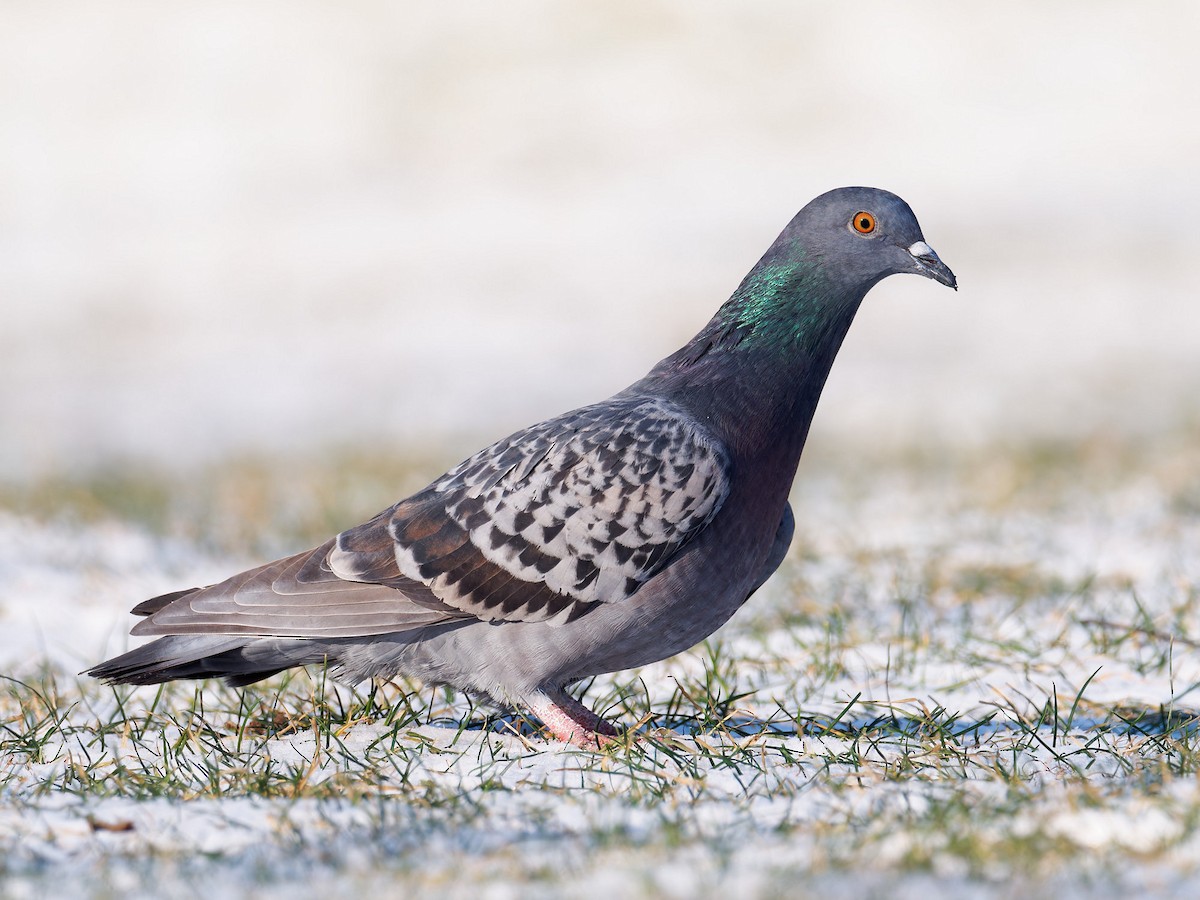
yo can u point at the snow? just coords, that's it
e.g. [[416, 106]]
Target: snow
[[892, 561]]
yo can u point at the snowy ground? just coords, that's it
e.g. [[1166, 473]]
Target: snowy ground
[[976, 673]]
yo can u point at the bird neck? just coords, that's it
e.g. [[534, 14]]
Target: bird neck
[[755, 372]]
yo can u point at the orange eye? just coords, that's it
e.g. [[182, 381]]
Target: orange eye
[[863, 222]]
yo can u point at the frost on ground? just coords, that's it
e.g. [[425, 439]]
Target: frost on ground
[[976, 674]]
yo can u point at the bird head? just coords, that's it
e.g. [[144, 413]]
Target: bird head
[[865, 234]]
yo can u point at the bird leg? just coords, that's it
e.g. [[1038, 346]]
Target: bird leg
[[572, 722]]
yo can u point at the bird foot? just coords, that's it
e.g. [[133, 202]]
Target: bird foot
[[573, 723]]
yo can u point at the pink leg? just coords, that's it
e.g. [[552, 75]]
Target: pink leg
[[570, 721]]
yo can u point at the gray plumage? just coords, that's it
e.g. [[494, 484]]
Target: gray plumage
[[609, 537]]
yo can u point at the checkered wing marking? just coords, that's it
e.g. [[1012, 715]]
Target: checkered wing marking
[[579, 510]]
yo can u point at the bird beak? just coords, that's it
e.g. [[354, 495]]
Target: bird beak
[[929, 265]]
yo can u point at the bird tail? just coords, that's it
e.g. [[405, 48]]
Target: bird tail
[[239, 659]]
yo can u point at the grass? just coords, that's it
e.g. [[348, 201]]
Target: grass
[[973, 672], [915, 785]]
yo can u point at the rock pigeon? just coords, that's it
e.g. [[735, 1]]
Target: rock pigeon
[[610, 537]]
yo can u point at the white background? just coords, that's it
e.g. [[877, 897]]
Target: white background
[[273, 227]]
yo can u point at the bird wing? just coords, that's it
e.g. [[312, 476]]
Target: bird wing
[[543, 525], [296, 597]]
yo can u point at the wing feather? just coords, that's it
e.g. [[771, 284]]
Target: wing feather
[[294, 597], [541, 526]]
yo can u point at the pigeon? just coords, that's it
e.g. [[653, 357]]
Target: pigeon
[[611, 537]]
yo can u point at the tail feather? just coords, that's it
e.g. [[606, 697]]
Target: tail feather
[[235, 658]]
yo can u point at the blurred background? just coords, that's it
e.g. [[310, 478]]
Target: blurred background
[[272, 227]]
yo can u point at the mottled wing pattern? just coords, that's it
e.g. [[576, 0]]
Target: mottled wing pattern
[[579, 510]]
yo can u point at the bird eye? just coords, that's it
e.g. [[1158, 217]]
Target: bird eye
[[863, 222]]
